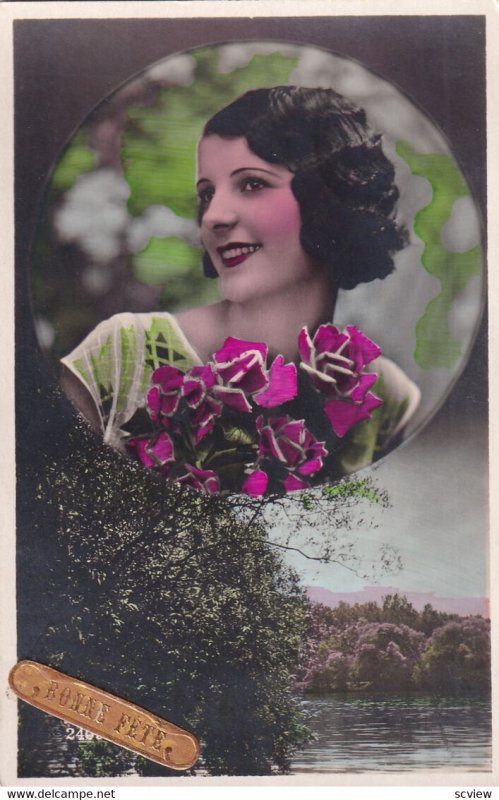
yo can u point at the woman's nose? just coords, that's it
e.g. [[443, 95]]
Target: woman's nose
[[221, 213]]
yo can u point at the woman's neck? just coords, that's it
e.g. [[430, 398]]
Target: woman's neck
[[278, 321]]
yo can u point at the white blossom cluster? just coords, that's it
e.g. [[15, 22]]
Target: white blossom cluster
[[94, 215]]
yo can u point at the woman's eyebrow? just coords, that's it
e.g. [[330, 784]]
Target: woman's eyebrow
[[242, 169], [253, 169]]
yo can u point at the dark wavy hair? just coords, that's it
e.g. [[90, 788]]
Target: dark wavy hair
[[343, 181]]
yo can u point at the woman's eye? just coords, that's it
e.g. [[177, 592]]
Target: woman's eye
[[253, 184], [204, 196]]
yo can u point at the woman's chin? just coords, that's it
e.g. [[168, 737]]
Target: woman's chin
[[235, 290]]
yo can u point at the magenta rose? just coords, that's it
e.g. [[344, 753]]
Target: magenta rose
[[153, 453], [204, 408], [240, 367], [334, 360], [201, 479], [289, 442], [164, 396], [241, 370]]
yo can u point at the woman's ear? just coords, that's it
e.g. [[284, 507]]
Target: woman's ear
[[208, 268]]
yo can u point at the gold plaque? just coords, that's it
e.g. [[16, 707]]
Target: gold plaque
[[100, 712]]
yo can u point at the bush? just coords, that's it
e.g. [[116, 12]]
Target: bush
[[457, 659], [174, 603]]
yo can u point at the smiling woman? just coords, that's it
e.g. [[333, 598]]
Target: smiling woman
[[244, 196], [250, 227], [296, 200]]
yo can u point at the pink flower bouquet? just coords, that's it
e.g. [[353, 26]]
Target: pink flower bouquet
[[215, 427]]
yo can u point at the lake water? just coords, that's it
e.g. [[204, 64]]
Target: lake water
[[397, 734], [354, 733]]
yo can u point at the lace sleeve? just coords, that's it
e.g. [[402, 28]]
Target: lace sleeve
[[116, 360]]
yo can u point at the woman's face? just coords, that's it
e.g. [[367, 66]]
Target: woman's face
[[250, 221]]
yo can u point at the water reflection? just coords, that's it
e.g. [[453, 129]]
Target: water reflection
[[374, 733], [52, 748], [354, 734]]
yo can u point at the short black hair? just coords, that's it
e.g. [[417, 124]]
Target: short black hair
[[343, 181]]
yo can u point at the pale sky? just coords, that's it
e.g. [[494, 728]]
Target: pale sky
[[437, 520]]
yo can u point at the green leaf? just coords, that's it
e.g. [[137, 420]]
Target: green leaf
[[164, 259], [237, 435], [436, 346], [76, 160]]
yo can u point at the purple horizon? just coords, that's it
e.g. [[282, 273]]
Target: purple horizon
[[464, 606]]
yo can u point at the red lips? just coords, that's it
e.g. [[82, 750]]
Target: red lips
[[235, 253]]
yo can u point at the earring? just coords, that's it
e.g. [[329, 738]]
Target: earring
[[208, 268]]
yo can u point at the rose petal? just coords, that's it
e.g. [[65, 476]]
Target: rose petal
[[204, 372], [361, 349], [203, 430], [308, 441], [310, 467], [293, 453], [335, 364], [162, 449], [256, 483], [276, 423], [212, 485], [138, 446], [246, 373], [254, 380], [169, 378], [365, 382], [201, 415], [305, 346], [153, 399], [322, 382], [198, 472], [294, 430], [317, 449], [232, 348], [169, 403], [190, 480], [208, 409], [160, 403], [234, 398], [193, 390], [200, 479], [282, 385], [292, 483], [343, 414], [268, 444], [328, 338]]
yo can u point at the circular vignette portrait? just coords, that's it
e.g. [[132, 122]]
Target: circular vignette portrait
[[258, 268]]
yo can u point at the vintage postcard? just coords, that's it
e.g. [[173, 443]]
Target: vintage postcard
[[251, 394]]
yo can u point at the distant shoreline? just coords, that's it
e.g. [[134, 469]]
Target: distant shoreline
[[464, 606]]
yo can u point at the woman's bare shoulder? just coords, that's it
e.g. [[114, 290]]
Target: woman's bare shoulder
[[203, 326]]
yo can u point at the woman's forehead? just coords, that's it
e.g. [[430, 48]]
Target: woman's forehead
[[220, 156]]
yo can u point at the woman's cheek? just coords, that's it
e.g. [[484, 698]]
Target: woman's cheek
[[207, 244], [282, 218]]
